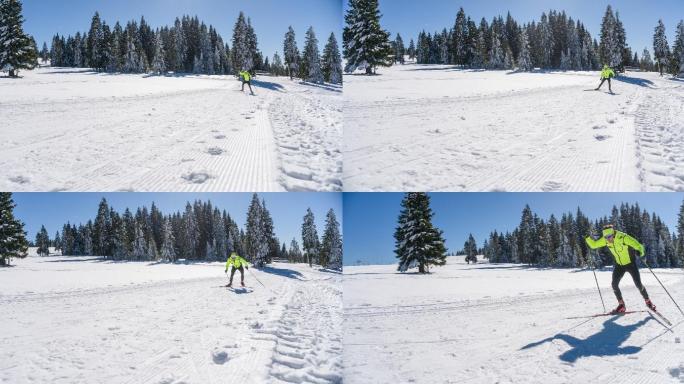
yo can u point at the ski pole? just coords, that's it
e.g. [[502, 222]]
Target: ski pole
[[593, 269], [255, 278], [661, 284]]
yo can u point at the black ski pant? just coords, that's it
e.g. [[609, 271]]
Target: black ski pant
[[633, 270], [232, 273], [603, 81], [249, 83]]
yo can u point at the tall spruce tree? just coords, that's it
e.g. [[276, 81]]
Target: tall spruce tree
[[310, 241], [13, 243], [417, 242], [366, 44], [17, 49], [661, 48], [291, 53], [331, 247], [332, 61], [312, 59], [43, 242]]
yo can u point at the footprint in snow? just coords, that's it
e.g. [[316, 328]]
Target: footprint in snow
[[219, 357], [215, 151], [601, 137], [196, 177]]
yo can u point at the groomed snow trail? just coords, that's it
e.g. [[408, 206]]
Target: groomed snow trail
[[171, 330], [504, 324], [67, 130], [434, 128]]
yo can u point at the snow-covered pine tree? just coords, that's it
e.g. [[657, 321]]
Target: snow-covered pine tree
[[43, 242], [159, 61], [366, 44], [312, 59], [418, 242], [661, 48], [332, 61], [524, 58], [610, 51], [411, 50], [646, 64], [496, 54], [240, 51], [399, 49], [44, 53], [546, 42], [331, 246], [180, 47], [168, 252], [269, 244], [460, 32], [310, 241], [139, 244], [678, 51], [253, 54], [566, 61], [291, 53], [13, 243], [256, 243], [277, 65], [680, 236], [295, 254], [17, 49], [470, 249]]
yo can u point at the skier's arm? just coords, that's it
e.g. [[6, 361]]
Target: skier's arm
[[243, 261], [593, 244], [227, 264], [632, 242]]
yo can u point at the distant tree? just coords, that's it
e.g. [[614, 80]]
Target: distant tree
[[661, 49], [470, 249], [13, 243], [312, 59], [366, 44], [332, 61], [310, 241], [331, 246], [43, 242], [291, 53], [17, 49], [417, 242]]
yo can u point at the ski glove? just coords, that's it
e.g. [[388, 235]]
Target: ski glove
[[246, 266]]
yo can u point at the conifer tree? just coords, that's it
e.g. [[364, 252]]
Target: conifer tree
[[331, 246], [310, 241], [418, 243], [524, 58], [678, 51], [43, 242], [159, 61], [13, 243], [312, 60], [291, 53], [411, 50], [399, 50], [332, 61], [661, 49], [366, 44], [17, 49], [240, 54]]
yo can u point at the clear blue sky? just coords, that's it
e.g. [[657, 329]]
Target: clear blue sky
[[270, 18], [409, 17], [287, 209], [370, 218]]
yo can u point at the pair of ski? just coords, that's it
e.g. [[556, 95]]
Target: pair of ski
[[656, 313]]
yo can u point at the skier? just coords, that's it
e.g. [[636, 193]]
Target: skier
[[246, 78], [623, 248], [606, 74], [237, 263]]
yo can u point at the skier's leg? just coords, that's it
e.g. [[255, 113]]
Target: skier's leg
[[242, 275], [250, 87], [600, 85], [243, 86], [232, 273], [636, 276], [618, 272], [610, 88]]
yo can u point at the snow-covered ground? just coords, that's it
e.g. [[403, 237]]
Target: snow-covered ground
[[431, 127], [84, 320], [489, 323], [76, 130]]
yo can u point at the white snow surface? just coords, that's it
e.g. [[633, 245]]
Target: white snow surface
[[76, 130], [85, 320], [437, 128], [504, 323]]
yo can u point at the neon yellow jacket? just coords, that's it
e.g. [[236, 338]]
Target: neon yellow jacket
[[245, 75], [236, 261], [607, 72], [619, 248]]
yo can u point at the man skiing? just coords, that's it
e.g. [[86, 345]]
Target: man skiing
[[623, 248], [246, 78], [237, 263], [606, 74]]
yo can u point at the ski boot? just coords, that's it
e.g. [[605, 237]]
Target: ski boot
[[242, 283], [650, 305], [230, 285], [620, 308]]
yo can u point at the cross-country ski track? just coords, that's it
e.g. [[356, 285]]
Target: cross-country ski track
[[75, 130], [88, 321], [506, 324], [434, 128]]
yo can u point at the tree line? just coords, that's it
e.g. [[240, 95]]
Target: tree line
[[190, 46], [555, 41], [560, 243], [202, 232]]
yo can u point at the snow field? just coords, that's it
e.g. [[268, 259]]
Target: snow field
[[68, 130], [143, 323], [504, 323], [430, 127]]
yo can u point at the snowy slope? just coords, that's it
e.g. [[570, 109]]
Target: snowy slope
[[418, 127], [75, 130], [490, 323], [82, 320]]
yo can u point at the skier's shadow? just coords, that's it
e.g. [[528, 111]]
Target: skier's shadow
[[607, 342]]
